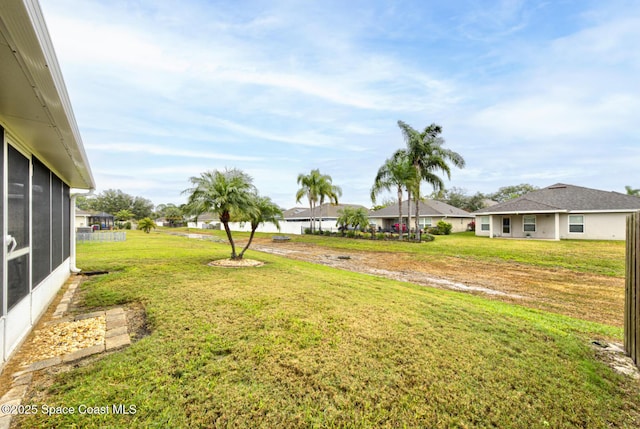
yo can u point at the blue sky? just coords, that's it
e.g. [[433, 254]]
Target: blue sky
[[532, 92]]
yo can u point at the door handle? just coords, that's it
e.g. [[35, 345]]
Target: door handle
[[11, 241]]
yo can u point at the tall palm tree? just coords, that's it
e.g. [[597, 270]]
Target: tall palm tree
[[428, 156], [327, 189], [396, 173], [226, 193], [265, 211], [316, 186]]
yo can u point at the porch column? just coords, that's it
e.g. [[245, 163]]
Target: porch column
[[490, 226], [557, 227]]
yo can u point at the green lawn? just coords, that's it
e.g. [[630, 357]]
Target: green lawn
[[292, 344], [587, 256], [597, 257]]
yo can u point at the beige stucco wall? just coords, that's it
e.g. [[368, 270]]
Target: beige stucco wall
[[458, 224], [597, 226]]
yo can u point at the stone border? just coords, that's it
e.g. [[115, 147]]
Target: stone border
[[116, 336]]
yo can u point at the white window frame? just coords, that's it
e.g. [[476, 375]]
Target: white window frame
[[576, 223], [424, 223], [525, 223], [483, 223]]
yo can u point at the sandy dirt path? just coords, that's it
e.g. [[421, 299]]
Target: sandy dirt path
[[590, 297]]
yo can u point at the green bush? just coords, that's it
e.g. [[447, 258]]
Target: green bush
[[427, 237], [442, 228], [380, 236], [307, 230]]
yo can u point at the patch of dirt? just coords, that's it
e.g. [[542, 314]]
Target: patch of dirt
[[586, 296], [236, 263]]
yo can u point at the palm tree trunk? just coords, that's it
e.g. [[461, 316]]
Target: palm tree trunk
[[409, 214], [417, 198], [400, 212], [253, 231], [225, 222]]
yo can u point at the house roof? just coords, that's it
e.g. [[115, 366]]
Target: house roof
[[35, 106], [328, 210], [428, 208], [566, 198], [293, 212]]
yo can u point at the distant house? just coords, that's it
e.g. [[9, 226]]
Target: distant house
[[557, 212], [82, 218], [431, 212], [327, 212], [204, 221], [43, 158]]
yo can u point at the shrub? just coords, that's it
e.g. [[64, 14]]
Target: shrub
[[380, 236], [326, 233], [307, 230], [427, 237], [351, 233], [443, 228]]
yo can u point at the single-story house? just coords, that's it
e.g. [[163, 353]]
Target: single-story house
[[431, 212], [558, 212], [205, 221], [82, 218], [326, 212], [43, 158]]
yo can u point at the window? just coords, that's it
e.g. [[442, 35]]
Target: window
[[576, 224], [66, 225], [18, 202], [56, 221], [484, 223], [426, 222], [529, 223], [41, 222], [18, 175]]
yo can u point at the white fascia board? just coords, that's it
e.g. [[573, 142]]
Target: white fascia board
[[606, 211], [527, 212]]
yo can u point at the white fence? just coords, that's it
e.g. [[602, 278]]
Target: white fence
[[101, 236]]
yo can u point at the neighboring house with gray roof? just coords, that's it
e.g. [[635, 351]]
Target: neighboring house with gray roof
[[431, 212], [557, 212], [328, 212]]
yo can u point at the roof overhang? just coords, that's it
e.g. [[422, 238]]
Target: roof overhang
[[532, 212], [520, 212], [34, 104]]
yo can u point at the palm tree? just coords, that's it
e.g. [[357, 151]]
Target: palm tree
[[427, 155], [146, 224], [395, 173], [224, 193], [631, 191], [327, 189], [123, 215], [265, 211], [351, 216], [315, 186]]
